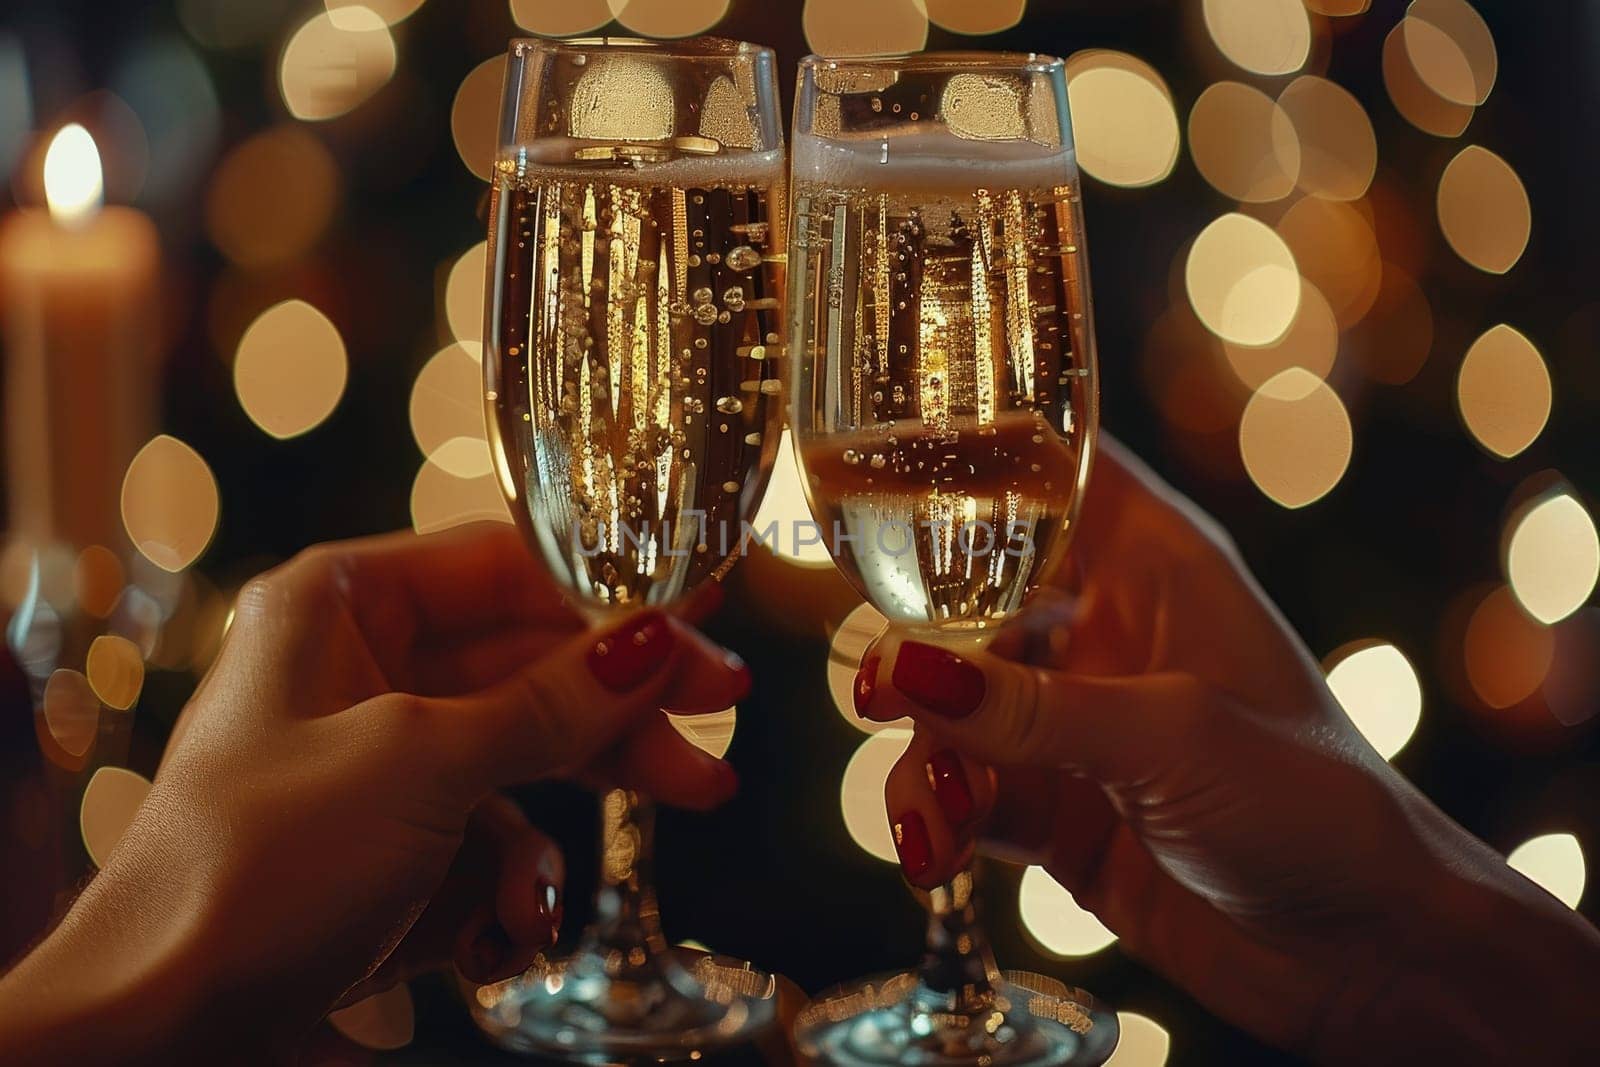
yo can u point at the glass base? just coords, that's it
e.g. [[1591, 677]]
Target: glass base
[[587, 1008], [1030, 1019]]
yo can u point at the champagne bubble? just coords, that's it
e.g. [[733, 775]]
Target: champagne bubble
[[703, 295], [730, 405], [705, 315], [771, 386], [752, 439], [730, 487], [852, 457], [878, 461]]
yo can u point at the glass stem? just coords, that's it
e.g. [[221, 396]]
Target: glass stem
[[627, 921], [957, 965]]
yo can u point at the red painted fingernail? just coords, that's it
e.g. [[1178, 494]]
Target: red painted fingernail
[[626, 656], [866, 682], [949, 781], [939, 680], [547, 898], [912, 843]]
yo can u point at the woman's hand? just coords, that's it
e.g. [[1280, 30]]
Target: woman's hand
[[324, 822], [1169, 752]]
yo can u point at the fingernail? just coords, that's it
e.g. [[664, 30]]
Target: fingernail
[[938, 679], [866, 682], [624, 658], [911, 842], [547, 898], [949, 781]]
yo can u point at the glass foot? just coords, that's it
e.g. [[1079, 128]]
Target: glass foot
[[1030, 1019], [587, 1008]]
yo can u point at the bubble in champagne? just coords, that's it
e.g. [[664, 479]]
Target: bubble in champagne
[[730, 487], [705, 314], [743, 258], [730, 405], [703, 295]]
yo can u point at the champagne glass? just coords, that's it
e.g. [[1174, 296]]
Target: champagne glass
[[944, 413], [634, 383]]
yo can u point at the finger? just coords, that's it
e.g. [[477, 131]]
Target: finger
[[561, 712], [1045, 818], [522, 915], [478, 661], [659, 761], [935, 791], [1005, 713], [708, 678]]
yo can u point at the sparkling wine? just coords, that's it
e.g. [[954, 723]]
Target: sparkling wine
[[638, 382], [947, 405]]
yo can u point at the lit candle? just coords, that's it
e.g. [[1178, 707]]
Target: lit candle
[[78, 307]]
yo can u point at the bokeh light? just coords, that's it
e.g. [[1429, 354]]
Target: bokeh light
[[1416, 102], [1379, 689], [1124, 123], [1335, 247], [332, 66], [1338, 149], [272, 198], [97, 580], [71, 713], [864, 27], [560, 18], [390, 11], [169, 89], [858, 630], [228, 23], [1311, 343], [1243, 143], [966, 17], [1142, 1042], [115, 671], [1338, 8], [1554, 862], [1392, 341], [1508, 653], [668, 18], [1053, 918], [1503, 391], [440, 500], [785, 504], [1243, 281], [447, 409], [711, 733], [1262, 36], [475, 116], [382, 1022], [290, 369], [1484, 210], [169, 503], [1295, 438], [1452, 50], [861, 792], [464, 293], [110, 802], [1553, 558]]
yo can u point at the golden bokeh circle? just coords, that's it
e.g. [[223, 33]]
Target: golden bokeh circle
[[1336, 249], [1416, 102], [1124, 123], [475, 116], [447, 406], [1484, 210], [1503, 391], [710, 732], [464, 293], [110, 802], [115, 670], [1338, 148], [1055, 921], [1311, 343], [1507, 653], [71, 712], [864, 27], [970, 19], [1271, 37], [560, 18], [390, 11], [169, 503], [668, 18], [333, 65], [290, 369], [440, 500], [97, 580], [1243, 143], [272, 198], [1141, 1041], [1553, 558], [1451, 49], [1554, 862], [861, 792], [382, 1022], [1242, 281], [1379, 690], [849, 643], [1295, 438], [1338, 8]]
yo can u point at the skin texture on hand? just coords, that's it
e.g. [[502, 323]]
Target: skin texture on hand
[[325, 822], [1164, 745]]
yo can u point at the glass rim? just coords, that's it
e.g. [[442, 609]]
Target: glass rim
[[681, 48], [956, 60]]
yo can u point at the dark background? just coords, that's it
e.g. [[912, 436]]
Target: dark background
[[1413, 527]]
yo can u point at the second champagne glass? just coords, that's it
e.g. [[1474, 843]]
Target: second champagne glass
[[944, 412], [635, 390]]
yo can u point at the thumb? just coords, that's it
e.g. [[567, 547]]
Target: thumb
[[1116, 728], [575, 702]]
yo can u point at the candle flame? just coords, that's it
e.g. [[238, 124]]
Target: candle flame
[[73, 184]]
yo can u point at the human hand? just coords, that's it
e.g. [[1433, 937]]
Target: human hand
[[1170, 753], [324, 822]]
